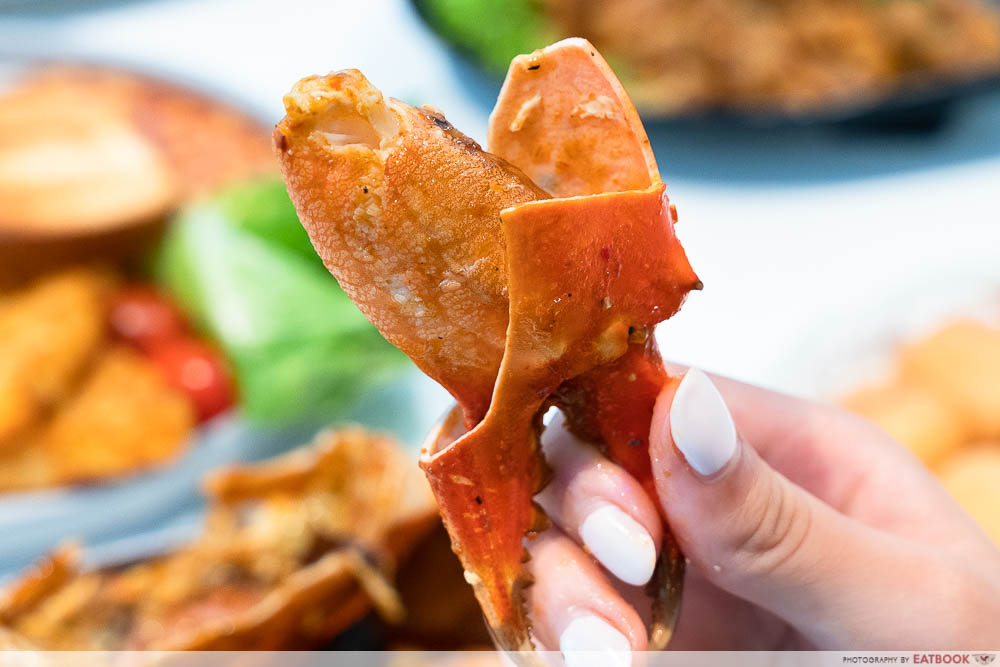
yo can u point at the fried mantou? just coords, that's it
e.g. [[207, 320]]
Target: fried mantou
[[914, 415], [122, 418], [962, 363]]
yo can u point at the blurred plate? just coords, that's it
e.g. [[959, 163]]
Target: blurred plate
[[94, 158], [151, 512], [916, 104]]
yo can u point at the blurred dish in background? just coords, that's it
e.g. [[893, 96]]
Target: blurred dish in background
[[763, 59], [294, 550], [92, 157], [942, 400], [84, 394], [100, 373], [145, 253]]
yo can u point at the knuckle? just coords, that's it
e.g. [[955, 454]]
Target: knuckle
[[772, 529]]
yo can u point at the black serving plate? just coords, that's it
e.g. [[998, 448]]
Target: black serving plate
[[919, 104]]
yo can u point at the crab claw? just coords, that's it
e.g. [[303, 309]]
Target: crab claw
[[512, 300]]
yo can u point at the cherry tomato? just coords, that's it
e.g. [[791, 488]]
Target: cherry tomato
[[144, 317], [198, 370]]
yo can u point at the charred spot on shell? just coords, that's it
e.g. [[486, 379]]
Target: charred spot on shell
[[442, 123], [637, 335], [540, 522], [280, 140]]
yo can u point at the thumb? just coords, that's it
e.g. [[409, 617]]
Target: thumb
[[752, 532]]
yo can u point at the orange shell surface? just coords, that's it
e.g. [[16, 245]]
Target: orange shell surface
[[405, 212], [511, 300], [565, 119], [584, 274]]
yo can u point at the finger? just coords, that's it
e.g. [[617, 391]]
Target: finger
[[600, 505], [796, 444], [839, 458], [574, 608], [713, 619], [755, 534], [792, 435]]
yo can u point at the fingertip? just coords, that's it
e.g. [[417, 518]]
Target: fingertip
[[569, 585], [620, 543], [598, 503], [661, 443], [701, 426], [590, 641]]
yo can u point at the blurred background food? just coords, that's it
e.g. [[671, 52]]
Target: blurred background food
[[781, 57], [161, 309], [105, 368], [164, 319], [242, 265], [98, 378], [942, 400], [96, 154], [294, 551]]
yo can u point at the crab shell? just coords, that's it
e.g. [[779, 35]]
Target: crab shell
[[589, 274], [511, 299]]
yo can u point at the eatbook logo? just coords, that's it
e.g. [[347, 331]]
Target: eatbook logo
[[984, 658]]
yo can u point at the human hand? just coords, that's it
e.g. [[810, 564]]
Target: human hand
[[805, 527]]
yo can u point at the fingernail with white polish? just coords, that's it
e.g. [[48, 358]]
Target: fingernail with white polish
[[701, 425], [589, 641], [619, 543]]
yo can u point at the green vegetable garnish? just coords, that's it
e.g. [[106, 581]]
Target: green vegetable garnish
[[242, 266], [492, 31]]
